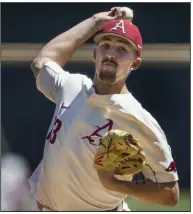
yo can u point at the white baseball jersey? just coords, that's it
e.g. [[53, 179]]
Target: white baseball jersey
[[66, 179]]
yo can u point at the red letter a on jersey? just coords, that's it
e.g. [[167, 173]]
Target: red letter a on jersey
[[109, 125]]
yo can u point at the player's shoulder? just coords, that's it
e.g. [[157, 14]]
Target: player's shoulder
[[70, 76], [134, 108]]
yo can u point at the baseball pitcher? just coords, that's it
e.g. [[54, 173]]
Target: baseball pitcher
[[100, 136]]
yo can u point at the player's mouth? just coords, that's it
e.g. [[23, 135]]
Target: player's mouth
[[110, 63]]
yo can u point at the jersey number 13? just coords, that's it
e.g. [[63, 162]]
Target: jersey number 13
[[53, 133]]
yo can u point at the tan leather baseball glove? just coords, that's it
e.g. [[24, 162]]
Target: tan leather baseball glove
[[119, 152]]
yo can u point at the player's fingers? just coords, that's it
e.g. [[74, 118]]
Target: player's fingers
[[115, 8], [123, 13], [110, 18], [119, 12], [112, 13]]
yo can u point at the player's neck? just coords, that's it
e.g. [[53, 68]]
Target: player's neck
[[102, 88]]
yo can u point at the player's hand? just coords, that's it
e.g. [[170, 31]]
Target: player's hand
[[123, 12], [115, 13], [119, 152]]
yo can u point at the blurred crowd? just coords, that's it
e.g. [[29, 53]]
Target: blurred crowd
[[15, 191]]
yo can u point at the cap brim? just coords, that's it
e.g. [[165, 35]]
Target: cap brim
[[98, 37]]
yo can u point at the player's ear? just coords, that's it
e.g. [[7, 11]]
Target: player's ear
[[94, 54], [136, 64]]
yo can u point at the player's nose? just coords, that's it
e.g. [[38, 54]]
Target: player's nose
[[110, 54], [111, 57]]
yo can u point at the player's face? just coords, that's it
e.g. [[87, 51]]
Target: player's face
[[114, 58]]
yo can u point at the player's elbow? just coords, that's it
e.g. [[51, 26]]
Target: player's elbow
[[37, 64], [169, 194], [174, 202], [171, 199], [35, 67]]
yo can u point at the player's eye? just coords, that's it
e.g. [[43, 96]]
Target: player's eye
[[122, 49], [105, 45]]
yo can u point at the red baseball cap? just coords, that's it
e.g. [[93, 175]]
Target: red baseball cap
[[123, 29]]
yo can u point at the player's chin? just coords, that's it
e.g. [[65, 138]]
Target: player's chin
[[108, 75], [108, 79]]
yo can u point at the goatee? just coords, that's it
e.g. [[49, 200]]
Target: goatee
[[108, 76]]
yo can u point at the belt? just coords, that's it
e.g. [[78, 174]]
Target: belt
[[41, 208]]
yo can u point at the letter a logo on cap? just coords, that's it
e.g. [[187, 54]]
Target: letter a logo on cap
[[119, 25]]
